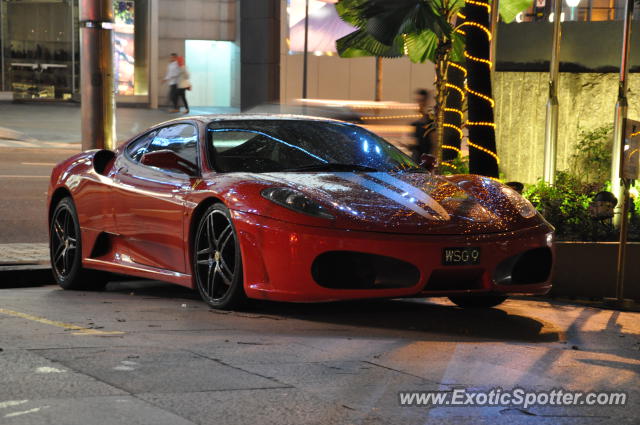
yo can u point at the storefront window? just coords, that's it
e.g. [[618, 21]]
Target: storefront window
[[124, 46], [39, 48], [576, 10], [141, 50]]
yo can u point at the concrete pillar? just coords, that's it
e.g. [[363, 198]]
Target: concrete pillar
[[96, 74], [260, 52]]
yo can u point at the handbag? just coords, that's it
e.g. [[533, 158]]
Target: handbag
[[184, 82]]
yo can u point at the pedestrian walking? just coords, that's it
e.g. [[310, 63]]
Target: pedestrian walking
[[171, 78], [424, 127], [183, 84]]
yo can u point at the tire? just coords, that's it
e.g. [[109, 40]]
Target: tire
[[65, 250], [217, 260], [477, 301]]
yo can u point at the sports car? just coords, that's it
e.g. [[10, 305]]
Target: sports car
[[290, 208]]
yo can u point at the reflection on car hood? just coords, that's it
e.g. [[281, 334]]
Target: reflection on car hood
[[404, 202]]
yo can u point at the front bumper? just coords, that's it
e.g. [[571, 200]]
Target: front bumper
[[278, 257]]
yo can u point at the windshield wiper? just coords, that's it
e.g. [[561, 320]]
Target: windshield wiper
[[332, 166]]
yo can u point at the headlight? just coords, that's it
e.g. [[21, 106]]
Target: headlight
[[295, 201], [550, 239], [523, 206]]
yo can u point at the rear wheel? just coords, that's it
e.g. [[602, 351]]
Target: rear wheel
[[217, 261], [65, 247], [477, 301]]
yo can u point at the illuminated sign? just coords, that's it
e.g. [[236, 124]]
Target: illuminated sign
[[123, 47], [325, 27]]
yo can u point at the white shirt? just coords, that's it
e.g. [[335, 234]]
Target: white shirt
[[173, 71]]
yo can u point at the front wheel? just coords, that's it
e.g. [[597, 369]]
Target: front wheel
[[217, 261], [65, 247], [477, 301]]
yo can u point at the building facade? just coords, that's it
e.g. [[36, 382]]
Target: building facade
[[238, 53], [590, 53], [40, 57], [332, 77]]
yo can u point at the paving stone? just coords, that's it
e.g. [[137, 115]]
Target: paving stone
[[115, 410], [26, 375], [145, 369]]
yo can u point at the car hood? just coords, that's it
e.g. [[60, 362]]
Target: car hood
[[409, 203]]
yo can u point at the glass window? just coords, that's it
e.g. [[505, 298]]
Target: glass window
[[39, 44], [138, 147], [299, 145], [179, 138]]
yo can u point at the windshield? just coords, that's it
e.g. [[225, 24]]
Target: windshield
[[263, 146]]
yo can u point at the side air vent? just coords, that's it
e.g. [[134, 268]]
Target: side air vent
[[102, 245], [102, 161]]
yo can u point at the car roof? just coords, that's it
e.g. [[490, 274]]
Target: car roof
[[254, 117], [207, 118]]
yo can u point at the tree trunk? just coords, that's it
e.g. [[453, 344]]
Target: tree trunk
[[482, 139], [378, 95], [453, 113], [442, 59]]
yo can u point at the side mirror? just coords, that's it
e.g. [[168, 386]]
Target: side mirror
[[166, 159], [428, 162], [517, 186]]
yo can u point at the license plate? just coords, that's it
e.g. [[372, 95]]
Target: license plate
[[460, 256]]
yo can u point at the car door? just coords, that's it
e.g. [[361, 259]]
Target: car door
[[149, 208]]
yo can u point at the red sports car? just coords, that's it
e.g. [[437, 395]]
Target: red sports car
[[291, 209]]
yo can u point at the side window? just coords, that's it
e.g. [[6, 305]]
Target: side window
[[179, 138], [138, 147]]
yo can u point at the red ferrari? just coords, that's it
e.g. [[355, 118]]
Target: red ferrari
[[291, 209]]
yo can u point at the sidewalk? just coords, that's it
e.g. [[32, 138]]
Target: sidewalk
[[24, 264], [20, 254], [32, 125]]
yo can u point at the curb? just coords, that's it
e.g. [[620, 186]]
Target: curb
[[25, 275], [579, 301]]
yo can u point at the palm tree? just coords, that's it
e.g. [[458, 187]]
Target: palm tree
[[418, 28], [353, 44], [425, 30], [480, 120]]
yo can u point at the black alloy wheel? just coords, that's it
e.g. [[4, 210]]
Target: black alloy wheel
[[217, 261], [477, 301], [65, 247]]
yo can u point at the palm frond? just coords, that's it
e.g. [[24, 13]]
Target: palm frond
[[350, 11], [359, 43], [457, 48], [386, 19], [421, 47]]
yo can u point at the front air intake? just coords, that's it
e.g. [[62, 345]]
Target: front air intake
[[529, 267], [357, 270]]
